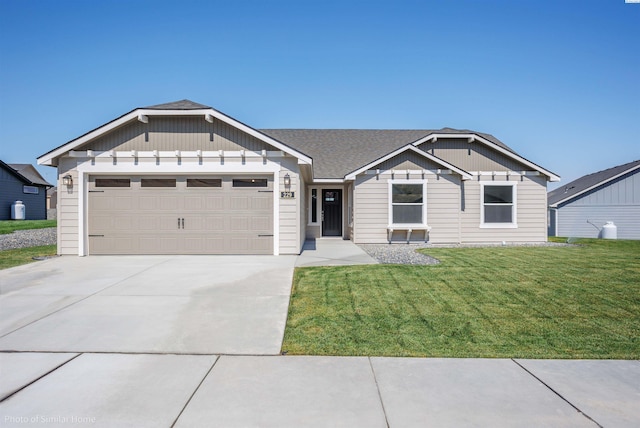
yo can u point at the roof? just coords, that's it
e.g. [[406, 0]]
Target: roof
[[588, 182], [26, 173], [178, 105], [337, 152]]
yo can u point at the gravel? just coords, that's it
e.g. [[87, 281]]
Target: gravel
[[28, 238], [406, 253]]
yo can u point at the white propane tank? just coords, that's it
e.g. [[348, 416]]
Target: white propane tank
[[609, 231], [18, 211]]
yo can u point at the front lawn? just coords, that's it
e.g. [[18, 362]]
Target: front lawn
[[21, 256], [8, 226], [508, 302]]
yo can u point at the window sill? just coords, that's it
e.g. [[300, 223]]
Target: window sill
[[498, 225]]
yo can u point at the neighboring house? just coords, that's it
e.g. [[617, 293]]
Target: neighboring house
[[185, 178], [22, 182], [52, 198], [582, 207]]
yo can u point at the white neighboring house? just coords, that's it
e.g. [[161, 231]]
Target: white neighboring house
[[184, 178], [580, 208]]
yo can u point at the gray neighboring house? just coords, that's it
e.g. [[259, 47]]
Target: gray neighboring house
[[580, 208], [185, 178], [22, 182]]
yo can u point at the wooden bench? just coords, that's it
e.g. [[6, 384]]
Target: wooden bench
[[409, 229]]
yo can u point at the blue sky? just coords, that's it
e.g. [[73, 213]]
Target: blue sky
[[558, 81]]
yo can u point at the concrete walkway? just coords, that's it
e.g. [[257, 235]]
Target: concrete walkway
[[193, 341], [332, 252], [152, 390]]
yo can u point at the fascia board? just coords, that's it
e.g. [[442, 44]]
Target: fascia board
[[549, 174], [396, 152], [47, 159], [588, 189]]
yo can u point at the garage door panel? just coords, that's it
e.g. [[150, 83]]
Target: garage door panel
[[221, 220]]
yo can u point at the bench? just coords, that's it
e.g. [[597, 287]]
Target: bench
[[409, 229]]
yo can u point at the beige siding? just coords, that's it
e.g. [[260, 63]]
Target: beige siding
[[67, 209], [289, 210], [371, 202], [176, 133], [471, 156], [531, 212]]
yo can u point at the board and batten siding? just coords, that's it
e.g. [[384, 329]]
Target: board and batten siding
[[371, 202], [471, 156], [12, 189], [618, 201], [176, 133], [531, 212]]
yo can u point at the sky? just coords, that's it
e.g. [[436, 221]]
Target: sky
[[557, 81]]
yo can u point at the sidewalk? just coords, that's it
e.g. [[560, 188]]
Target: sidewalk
[[296, 391]]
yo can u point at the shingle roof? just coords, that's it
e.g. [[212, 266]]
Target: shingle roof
[[28, 173], [178, 105], [587, 182], [337, 152]]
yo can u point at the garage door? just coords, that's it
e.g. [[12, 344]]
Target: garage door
[[180, 215]]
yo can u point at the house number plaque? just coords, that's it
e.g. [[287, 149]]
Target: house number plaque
[[287, 195]]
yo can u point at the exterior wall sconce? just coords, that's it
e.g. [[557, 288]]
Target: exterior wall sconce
[[287, 181], [67, 180]]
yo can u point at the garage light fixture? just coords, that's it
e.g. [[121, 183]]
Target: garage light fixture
[[67, 180], [287, 181]]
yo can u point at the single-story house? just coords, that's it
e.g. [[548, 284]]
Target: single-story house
[[184, 178], [22, 182], [581, 208]]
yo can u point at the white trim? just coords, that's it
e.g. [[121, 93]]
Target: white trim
[[434, 137], [328, 180], [276, 212], [397, 226], [465, 175], [47, 159], [83, 204], [318, 190], [514, 210], [601, 183]]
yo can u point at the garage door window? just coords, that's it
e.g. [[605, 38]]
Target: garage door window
[[113, 182], [158, 182], [204, 182], [249, 182]]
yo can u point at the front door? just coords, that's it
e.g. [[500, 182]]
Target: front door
[[331, 212]]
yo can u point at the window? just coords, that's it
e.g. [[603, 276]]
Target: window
[[249, 182], [204, 182], [32, 190], [314, 206], [113, 182], [498, 205], [407, 202], [158, 182]]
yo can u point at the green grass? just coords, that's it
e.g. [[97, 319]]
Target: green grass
[[525, 302], [21, 256], [8, 226]]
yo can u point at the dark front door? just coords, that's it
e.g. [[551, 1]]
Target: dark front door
[[331, 212]]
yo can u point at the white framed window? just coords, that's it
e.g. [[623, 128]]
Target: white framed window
[[498, 205], [315, 206], [407, 202], [33, 190]]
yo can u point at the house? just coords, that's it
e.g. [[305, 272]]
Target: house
[[22, 182], [184, 178], [580, 208]]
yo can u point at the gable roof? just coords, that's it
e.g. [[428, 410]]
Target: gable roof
[[338, 152], [589, 182], [410, 147], [26, 173], [176, 108]]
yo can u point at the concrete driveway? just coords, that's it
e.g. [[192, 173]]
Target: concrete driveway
[[147, 304]]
